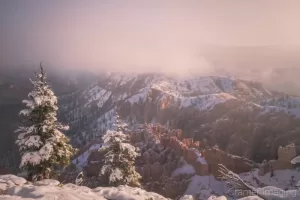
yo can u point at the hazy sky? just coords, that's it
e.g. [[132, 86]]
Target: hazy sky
[[152, 34]]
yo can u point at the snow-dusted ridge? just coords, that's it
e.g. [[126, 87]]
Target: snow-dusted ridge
[[131, 88], [92, 109]]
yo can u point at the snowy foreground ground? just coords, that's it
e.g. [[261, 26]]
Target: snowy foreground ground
[[16, 188]]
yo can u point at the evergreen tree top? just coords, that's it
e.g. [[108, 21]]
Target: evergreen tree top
[[117, 124], [40, 77]]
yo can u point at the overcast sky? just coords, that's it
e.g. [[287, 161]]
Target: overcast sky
[[152, 34]]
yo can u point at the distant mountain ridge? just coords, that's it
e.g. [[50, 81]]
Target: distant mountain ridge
[[199, 106]]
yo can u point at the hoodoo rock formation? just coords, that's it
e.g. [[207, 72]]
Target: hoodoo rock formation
[[163, 151]]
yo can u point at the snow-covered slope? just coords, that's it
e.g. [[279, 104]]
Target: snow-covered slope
[[286, 103], [200, 187], [72, 192], [118, 87], [205, 187], [209, 107], [92, 109], [16, 188]]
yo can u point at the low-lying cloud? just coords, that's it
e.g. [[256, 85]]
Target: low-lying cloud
[[137, 35], [244, 38]]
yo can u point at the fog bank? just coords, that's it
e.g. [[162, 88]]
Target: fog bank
[[138, 36]]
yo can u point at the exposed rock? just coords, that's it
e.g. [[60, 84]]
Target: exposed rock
[[190, 156], [202, 169], [215, 156], [280, 165], [286, 153], [263, 168], [273, 165], [159, 160]]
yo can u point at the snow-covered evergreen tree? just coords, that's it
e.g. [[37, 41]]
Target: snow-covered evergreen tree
[[119, 158], [43, 147]]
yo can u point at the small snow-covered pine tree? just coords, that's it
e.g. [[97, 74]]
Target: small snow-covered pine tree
[[119, 158], [43, 147]]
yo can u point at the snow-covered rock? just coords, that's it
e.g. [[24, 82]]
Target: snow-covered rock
[[47, 182], [73, 192], [218, 198], [13, 179], [187, 197], [184, 169], [296, 160], [251, 198], [205, 186]]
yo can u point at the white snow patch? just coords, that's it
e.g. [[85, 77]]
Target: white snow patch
[[217, 198], [98, 94], [203, 102], [14, 179], [201, 160], [47, 182], [140, 96], [187, 197], [295, 160], [205, 186], [184, 169], [251, 198]]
